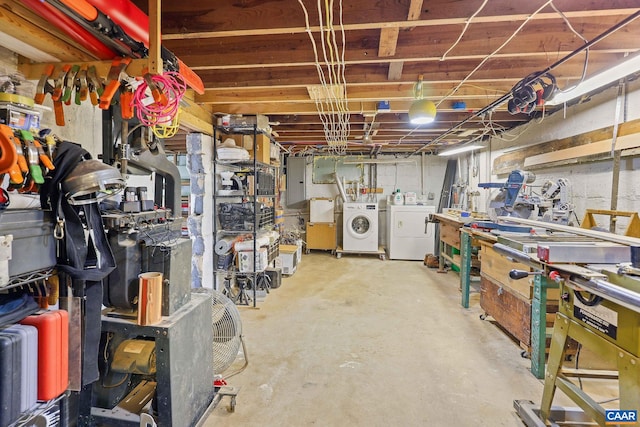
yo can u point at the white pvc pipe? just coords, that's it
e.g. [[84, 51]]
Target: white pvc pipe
[[343, 195]]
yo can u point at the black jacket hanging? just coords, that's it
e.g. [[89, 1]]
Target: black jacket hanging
[[86, 261]]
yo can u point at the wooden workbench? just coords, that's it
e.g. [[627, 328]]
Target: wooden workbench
[[524, 308], [470, 243], [449, 240]]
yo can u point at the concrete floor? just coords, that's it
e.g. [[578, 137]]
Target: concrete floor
[[361, 342]]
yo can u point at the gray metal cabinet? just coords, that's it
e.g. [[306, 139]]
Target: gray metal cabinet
[[296, 170]]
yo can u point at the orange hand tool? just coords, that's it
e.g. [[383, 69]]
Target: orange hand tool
[[95, 85], [69, 84], [126, 103], [17, 173], [33, 156], [82, 85], [59, 84], [158, 96], [8, 154], [43, 84], [113, 81]]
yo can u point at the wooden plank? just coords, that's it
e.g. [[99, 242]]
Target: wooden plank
[[369, 71], [496, 267], [371, 92], [34, 71], [505, 163], [20, 28], [450, 234], [395, 71], [604, 146], [377, 25], [388, 42], [606, 236], [512, 312], [195, 117], [415, 10], [270, 108], [155, 41], [233, 56]]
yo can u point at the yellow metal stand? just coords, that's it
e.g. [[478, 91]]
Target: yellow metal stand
[[633, 228], [616, 336]]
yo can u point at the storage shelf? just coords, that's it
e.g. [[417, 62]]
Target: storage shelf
[[27, 419], [455, 260], [261, 180], [244, 196], [27, 278], [248, 163]]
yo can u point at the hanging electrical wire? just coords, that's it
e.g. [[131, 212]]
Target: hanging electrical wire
[[506, 97], [464, 30], [157, 102], [492, 54], [586, 51], [330, 96]]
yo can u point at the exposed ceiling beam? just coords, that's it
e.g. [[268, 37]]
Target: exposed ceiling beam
[[388, 42], [398, 24], [24, 30], [395, 71], [372, 92], [354, 107]]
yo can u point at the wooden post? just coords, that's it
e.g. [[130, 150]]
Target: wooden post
[[465, 266], [155, 38]]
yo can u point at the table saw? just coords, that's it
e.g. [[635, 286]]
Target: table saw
[[599, 308]]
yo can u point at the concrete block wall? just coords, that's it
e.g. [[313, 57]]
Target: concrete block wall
[[591, 181], [424, 177], [201, 209]]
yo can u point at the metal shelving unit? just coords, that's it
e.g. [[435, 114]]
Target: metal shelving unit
[[247, 205]]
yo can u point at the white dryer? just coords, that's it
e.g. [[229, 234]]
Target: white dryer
[[409, 234], [360, 227]]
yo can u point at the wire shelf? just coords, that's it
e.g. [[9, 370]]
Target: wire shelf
[[49, 410], [28, 278]]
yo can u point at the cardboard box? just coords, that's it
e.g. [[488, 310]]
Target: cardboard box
[[263, 144], [321, 209], [288, 258], [246, 258], [321, 236]]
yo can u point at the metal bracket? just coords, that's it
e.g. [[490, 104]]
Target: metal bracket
[[147, 420]]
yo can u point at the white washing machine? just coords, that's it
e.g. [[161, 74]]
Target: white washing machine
[[360, 227]]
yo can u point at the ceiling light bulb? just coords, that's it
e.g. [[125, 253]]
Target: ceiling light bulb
[[422, 111]]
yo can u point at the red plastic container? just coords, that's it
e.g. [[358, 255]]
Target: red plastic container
[[53, 352]]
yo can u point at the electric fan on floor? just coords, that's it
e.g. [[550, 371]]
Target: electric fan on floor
[[227, 333]]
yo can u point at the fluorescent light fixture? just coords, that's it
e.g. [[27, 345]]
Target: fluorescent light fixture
[[623, 68], [377, 161], [459, 150]]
